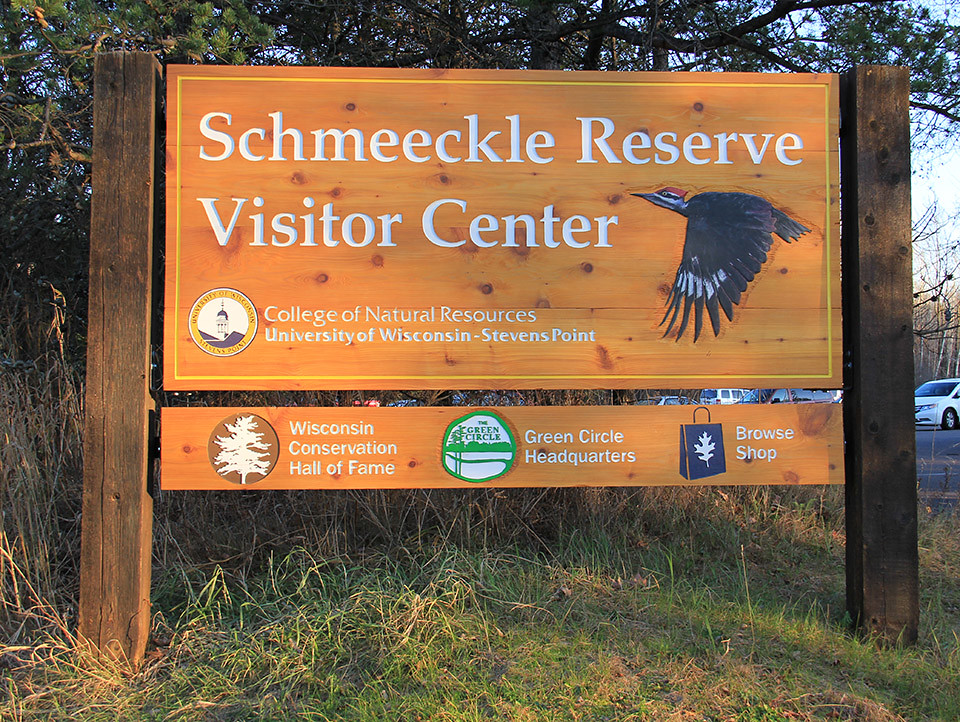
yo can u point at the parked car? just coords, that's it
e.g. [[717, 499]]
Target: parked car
[[673, 401], [793, 396], [938, 402], [756, 396], [721, 396], [801, 396]]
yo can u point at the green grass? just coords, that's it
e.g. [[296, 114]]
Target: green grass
[[732, 609]]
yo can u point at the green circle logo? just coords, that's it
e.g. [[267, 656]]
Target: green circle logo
[[478, 447]]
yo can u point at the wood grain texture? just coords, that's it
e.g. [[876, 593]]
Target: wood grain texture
[[882, 559], [114, 615], [786, 330], [409, 440]]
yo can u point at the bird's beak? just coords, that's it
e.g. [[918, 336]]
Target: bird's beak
[[634, 192]]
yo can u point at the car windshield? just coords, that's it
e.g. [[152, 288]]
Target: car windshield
[[936, 388], [811, 395], [756, 396]]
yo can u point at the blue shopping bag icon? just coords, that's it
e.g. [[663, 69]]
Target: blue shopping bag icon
[[701, 448]]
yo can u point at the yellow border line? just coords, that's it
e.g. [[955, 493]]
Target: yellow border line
[[176, 260], [458, 81], [828, 150], [828, 231], [551, 377]]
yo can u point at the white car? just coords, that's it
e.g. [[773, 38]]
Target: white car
[[673, 401], [938, 402], [721, 396]]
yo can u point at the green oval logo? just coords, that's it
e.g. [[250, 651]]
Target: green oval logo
[[478, 447]]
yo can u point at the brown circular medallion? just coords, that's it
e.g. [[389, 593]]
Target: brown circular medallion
[[243, 448]]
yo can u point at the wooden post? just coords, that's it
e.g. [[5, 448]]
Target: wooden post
[[117, 507], [881, 486]]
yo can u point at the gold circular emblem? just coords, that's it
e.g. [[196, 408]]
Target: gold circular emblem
[[223, 322]]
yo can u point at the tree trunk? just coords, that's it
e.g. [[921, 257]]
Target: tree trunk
[[545, 49]]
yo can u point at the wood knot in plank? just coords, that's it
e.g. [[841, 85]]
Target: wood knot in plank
[[521, 249], [603, 357], [814, 418]]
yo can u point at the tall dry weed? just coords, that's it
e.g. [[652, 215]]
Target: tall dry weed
[[40, 461]]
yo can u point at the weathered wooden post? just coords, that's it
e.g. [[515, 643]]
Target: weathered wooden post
[[882, 565], [117, 508]]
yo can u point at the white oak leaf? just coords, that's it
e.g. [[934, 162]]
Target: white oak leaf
[[704, 449]]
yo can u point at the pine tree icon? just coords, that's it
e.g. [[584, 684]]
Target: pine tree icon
[[244, 451], [455, 444]]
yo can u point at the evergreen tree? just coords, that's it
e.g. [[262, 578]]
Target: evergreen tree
[[46, 67], [244, 451], [46, 55]]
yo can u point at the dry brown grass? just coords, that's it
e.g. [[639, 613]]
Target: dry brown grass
[[40, 464]]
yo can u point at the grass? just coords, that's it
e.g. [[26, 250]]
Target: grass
[[732, 610], [566, 604]]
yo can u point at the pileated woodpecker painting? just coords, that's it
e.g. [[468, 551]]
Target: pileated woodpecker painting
[[728, 236]]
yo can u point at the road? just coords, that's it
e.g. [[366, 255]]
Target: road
[[938, 464]]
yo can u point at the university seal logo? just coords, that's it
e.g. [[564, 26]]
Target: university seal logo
[[223, 322], [478, 447], [243, 448]]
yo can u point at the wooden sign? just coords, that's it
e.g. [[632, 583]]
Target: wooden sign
[[355, 228], [456, 447]]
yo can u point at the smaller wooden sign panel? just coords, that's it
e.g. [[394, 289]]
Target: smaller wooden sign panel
[[457, 447]]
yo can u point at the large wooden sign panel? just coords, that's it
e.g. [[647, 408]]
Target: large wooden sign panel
[[457, 447], [334, 228]]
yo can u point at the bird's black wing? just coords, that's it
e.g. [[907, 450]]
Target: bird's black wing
[[728, 237]]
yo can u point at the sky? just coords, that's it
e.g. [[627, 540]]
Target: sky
[[936, 173], [936, 179]]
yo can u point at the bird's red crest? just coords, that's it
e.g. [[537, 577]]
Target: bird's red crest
[[676, 191]]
